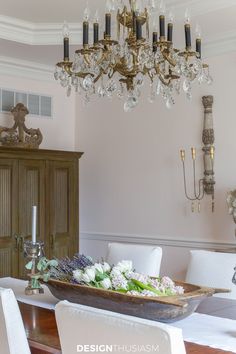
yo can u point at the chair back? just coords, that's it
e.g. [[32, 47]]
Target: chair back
[[146, 258], [83, 329], [212, 269], [13, 338]]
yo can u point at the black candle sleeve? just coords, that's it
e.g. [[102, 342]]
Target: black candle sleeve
[[154, 41], [170, 32], [66, 48], [138, 29], [162, 25], [95, 33], [108, 25], [187, 35], [199, 47], [85, 33], [134, 22]]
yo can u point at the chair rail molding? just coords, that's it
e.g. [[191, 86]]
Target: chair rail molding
[[155, 240]]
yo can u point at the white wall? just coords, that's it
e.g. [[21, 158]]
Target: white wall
[[58, 132], [131, 185]]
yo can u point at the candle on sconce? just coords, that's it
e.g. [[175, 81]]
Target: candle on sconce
[[34, 223], [193, 150], [212, 152], [182, 155]]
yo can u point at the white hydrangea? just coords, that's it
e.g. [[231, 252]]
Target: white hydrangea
[[119, 282]]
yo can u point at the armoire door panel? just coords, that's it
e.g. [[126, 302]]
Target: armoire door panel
[[8, 217], [31, 192], [62, 208], [48, 179]]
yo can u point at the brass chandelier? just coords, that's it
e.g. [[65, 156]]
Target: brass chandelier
[[109, 67]]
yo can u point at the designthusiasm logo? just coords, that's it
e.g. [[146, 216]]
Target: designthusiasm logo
[[117, 348]]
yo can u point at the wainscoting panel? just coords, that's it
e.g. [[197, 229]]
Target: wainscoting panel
[[175, 252]]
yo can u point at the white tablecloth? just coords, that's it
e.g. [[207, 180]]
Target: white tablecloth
[[202, 329]]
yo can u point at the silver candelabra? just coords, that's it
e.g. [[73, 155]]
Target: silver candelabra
[[34, 251]]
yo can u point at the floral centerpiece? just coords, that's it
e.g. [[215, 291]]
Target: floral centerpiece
[[120, 277]]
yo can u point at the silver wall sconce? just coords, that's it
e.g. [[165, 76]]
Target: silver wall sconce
[[206, 185]]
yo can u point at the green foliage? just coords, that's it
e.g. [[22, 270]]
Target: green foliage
[[42, 266]]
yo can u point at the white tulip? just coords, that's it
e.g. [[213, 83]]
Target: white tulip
[[91, 273], [85, 278], [77, 274], [106, 283], [106, 267], [125, 266], [98, 267]]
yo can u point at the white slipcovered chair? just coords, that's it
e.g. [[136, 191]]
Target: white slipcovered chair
[[13, 338], [146, 258], [212, 269], [82, 327]]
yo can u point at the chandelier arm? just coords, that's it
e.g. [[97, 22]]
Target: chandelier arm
[[171, 61], [163, 80], [86, 58], [68, 70], [103, 57]]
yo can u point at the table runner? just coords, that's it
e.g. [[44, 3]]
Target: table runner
[[46, 300], [215, 332]]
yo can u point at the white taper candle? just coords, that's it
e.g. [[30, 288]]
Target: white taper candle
[[34, 223]]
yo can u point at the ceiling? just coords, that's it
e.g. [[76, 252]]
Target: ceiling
[[31, 30]]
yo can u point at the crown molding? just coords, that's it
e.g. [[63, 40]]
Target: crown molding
[[226, 43], [198, 7], [30, 33], [26, 69], [25, 32]]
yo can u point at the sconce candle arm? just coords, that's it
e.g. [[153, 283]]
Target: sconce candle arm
[[185, 185]]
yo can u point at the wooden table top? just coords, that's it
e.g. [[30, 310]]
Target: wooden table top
[[41, 328]]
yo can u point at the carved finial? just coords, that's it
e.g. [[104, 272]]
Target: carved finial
[[207, 101], [19, 135]]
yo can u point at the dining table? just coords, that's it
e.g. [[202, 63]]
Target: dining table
[[41, 328]]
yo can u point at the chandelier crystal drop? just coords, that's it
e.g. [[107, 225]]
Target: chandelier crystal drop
[[110, 67]]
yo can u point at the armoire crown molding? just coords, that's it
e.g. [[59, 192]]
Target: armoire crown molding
[[158, 240]]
